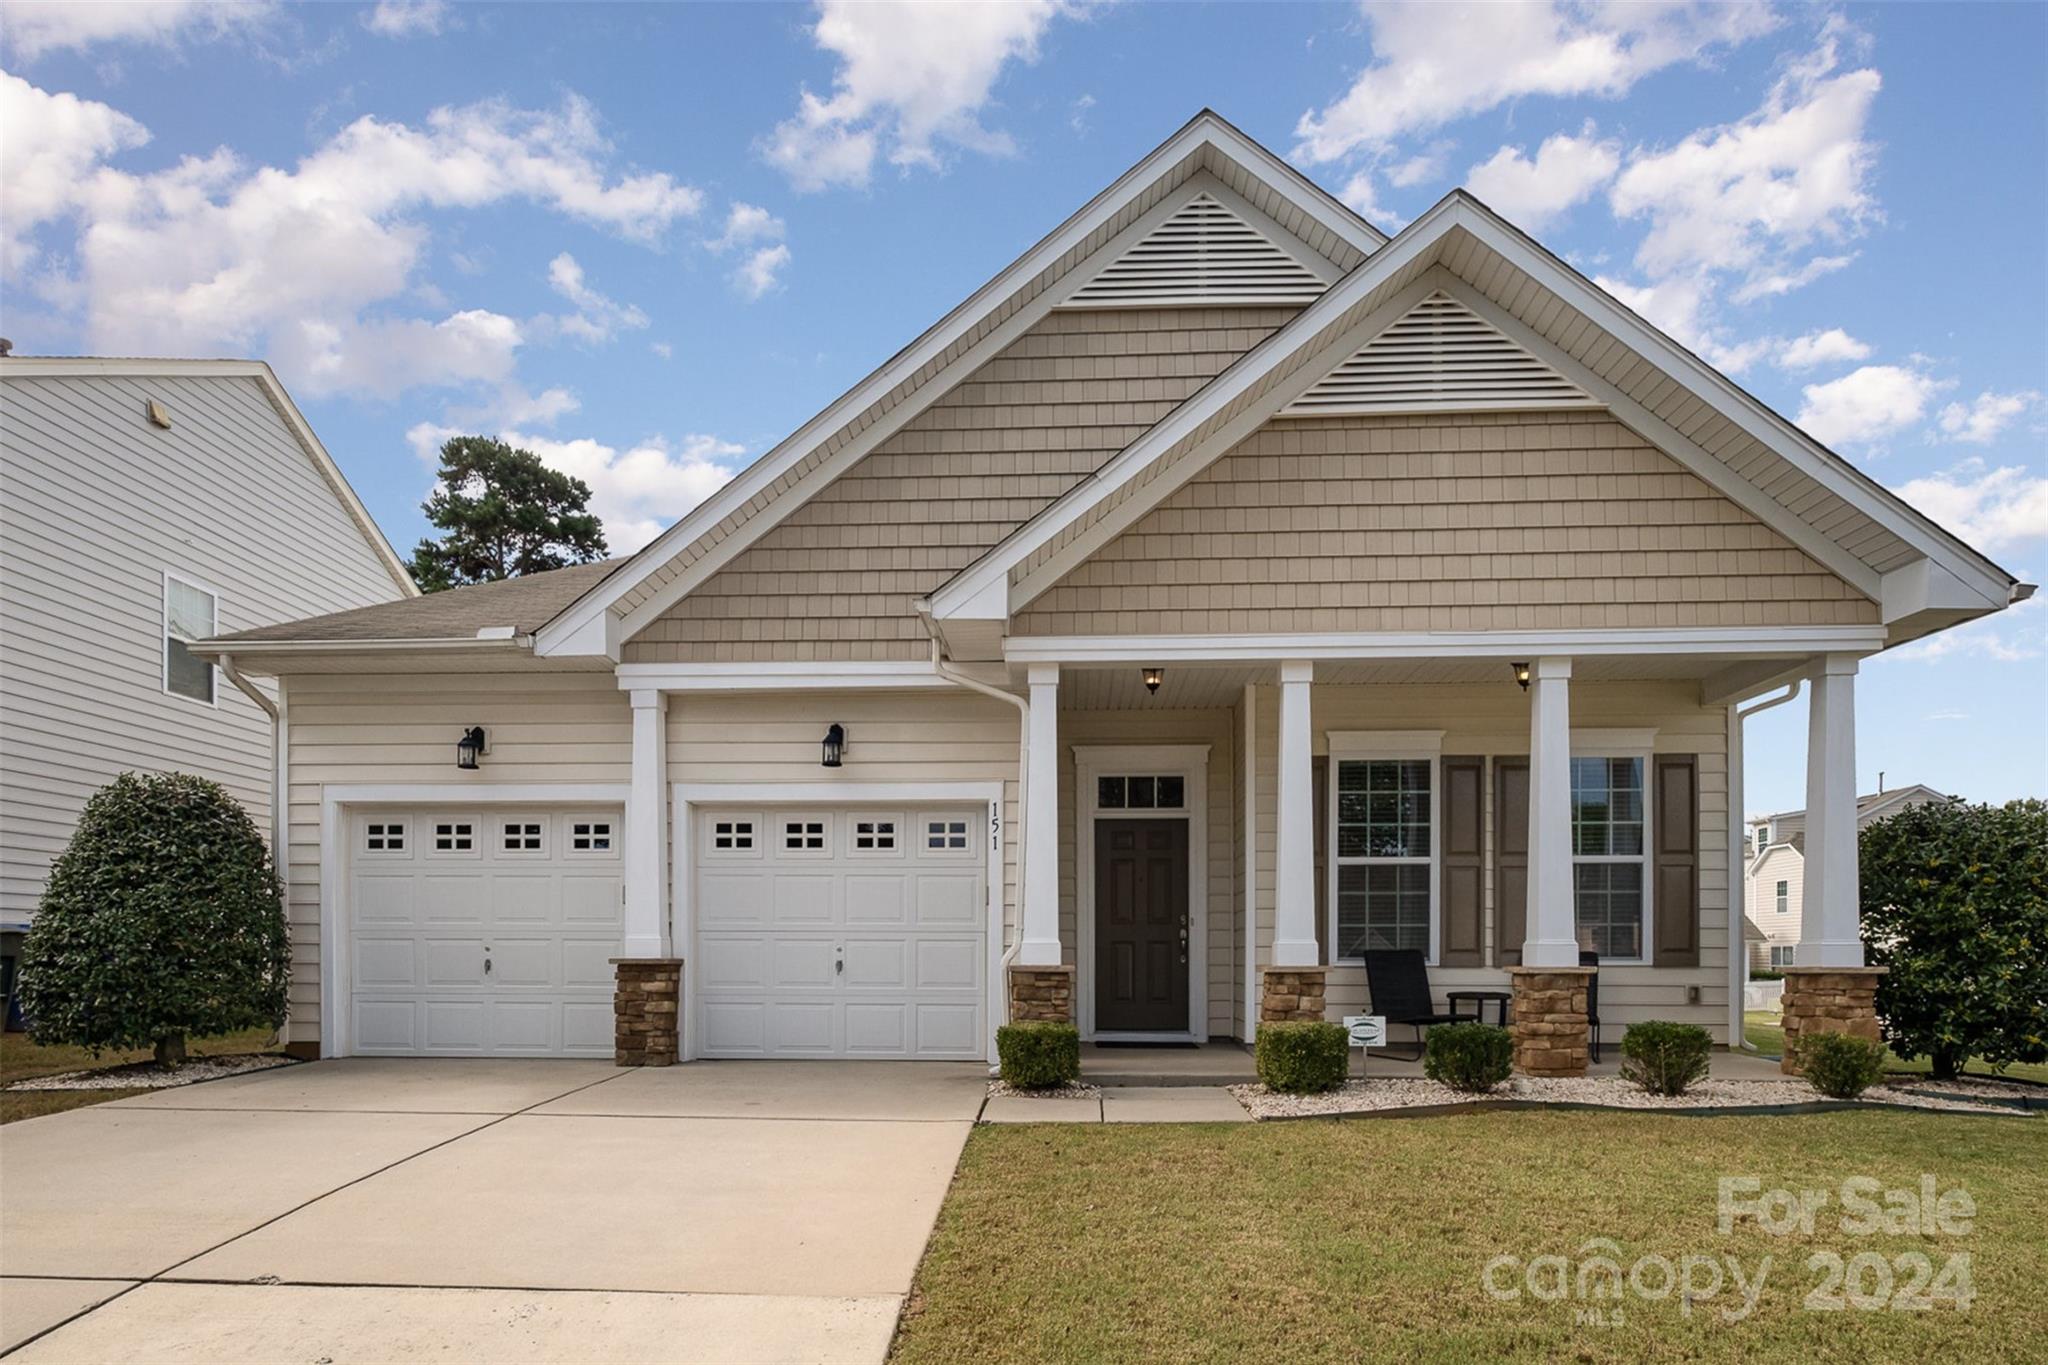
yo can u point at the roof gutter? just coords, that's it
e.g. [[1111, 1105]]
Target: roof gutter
[[480, 641]]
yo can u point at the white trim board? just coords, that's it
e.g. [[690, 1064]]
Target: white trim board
[[582, 627], [336, 801], [686, 797], [1791, 642], [1190, 763]]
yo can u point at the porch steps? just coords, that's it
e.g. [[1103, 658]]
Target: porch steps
[[1220, 1063]]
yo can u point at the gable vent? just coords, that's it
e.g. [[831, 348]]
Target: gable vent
[[1440, 356], [1202, 254]]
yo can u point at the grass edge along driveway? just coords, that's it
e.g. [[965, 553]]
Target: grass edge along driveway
[[1330, 1241]]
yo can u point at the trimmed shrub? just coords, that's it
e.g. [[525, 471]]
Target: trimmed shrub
[[162, 919], [1665, 1058], [1765, 974], [1470, 1057], [1303, 1056], [1039, 1054], [1839, 1065]]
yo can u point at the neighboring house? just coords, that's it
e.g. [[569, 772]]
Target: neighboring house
[[1776, 877], [144, 505], [1159, 617]]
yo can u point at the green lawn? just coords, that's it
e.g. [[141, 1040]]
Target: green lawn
[[1764, 1034], [20, 1059], [1369, 1239]]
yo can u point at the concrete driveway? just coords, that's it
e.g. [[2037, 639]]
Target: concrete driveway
[[501, 1210]]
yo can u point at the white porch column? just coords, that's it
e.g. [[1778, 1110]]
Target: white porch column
[[1294, 869], [646, 929], [1829, 925], [1039, 930], [1550, 932]]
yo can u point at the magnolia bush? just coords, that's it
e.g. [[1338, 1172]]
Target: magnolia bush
[[163, 919]]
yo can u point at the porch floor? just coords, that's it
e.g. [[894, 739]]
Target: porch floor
[[1227, 1062]]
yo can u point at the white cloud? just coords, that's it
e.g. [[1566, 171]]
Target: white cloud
[[662, 349], [596, 317], [1992, 509], [1771, 284], [1834, 346], [1865, 404], [637, 492], [1439, 62], [2015, 635], [55, 144], [1746, 196], [34, 27], [1362, 198], [761, 271], [403, 18], [1980, 422], [911, 77], [745, 224], [1416, 169], [1678, 307], [516, 407], [213, 255], [1530, 193]]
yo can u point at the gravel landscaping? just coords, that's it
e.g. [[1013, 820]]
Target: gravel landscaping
[[1072, 1090], [150, 1076], [1609, 1092]]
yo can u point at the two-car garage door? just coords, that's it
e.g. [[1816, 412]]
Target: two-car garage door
[[841, 932], [822, 932]]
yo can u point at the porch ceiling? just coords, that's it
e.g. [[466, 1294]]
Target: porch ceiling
[[1198, 687]]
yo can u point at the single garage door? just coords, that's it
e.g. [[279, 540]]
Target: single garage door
[[483, 934], [844, 932]]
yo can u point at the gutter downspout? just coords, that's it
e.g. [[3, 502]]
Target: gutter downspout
[[944, 670], [280, 784], [1738, 864]]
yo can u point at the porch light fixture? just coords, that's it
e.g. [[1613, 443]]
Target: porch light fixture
[[835, 744], [470, 748], [1154, 677], [1522, 673]]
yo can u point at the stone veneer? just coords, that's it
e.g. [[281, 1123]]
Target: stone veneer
[[646, 1010], [1828, 1000], [1550, 1019], [1291, 993], [1041, 994]]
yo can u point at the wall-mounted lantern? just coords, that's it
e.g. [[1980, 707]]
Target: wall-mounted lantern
[[835, 745], [1522, 673], [470, 748], [1154, 677]]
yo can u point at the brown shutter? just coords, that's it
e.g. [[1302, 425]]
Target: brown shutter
[[1319, 773], [1462, 862], [1510, 859], [1677, 861]]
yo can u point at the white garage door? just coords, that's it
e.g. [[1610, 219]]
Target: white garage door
[[483, 934], [846, 932]]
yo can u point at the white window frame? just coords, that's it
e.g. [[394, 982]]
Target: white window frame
[[1354, 746], [1639, 745], [1781, 896], [756, 835], [212, 700], [1789, 951], [924, 820], [899, 834], [432, 827], [497, 825], [827, 835], [616, 834]]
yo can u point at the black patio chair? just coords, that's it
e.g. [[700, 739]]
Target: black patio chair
[[1399, 983], [1592, 959]]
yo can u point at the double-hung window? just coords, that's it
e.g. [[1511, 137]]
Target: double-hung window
[[190, 613], [1784, 898], [1609, 842], [1383, 814]]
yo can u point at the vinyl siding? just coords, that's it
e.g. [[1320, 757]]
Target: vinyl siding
[[1481, 521], [836, 578], [1494, 720], [96, 505], [1780, 863]]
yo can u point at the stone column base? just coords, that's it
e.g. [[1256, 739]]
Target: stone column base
[[647, 1010], [1828, 1000], [1291, 993], [1550, 1019], [1042, 995]]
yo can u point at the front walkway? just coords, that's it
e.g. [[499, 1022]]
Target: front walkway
[[501, 1210]]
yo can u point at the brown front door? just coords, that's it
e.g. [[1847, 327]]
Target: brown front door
[[1141, 926]]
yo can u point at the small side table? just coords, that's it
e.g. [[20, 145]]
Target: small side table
[[1480, 1000]]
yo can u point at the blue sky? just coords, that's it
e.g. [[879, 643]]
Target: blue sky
[[651, 240]]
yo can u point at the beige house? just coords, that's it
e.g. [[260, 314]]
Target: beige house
[[1775, 881], [146, 505], [1222, 592]]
